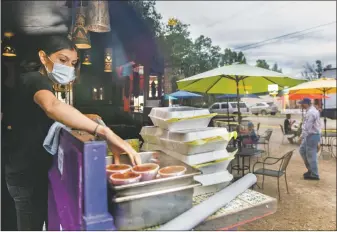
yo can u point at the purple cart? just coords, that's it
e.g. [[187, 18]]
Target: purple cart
[[78, 191]]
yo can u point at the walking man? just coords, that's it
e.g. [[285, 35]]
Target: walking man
[[310, 138]]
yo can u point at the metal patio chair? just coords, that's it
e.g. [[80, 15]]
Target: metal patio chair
[[265, 139], [285, 159]]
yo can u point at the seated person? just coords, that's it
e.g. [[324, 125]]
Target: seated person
[[288, 124], [289, 130], [249, 136]]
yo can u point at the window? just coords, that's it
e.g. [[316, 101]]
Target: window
[[270, 103], [242, 105], [98, 93], [260, 104], [216, 107], [234, 105], [224, 106]]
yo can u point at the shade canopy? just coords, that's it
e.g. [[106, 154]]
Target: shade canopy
[[226, 79], [168, 97], [319, 86], [235, 96], [184, 95]]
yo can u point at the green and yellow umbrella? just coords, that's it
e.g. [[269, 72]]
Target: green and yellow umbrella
[[236, 79]]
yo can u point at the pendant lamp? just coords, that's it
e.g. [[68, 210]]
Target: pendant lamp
[[8, 50], [86, 60], [98, 19], [108, 60], [80, 35]]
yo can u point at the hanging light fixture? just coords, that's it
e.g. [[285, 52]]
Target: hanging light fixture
[[80, 35], [86, 60], [108, 60], [8, 50], [98, 16]]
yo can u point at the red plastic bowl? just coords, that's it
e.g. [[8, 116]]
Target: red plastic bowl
[[148, 171], [170, 171], [117, 168], [125, 178]]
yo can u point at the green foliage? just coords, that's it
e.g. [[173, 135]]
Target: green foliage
[[230, 57], [262, 64], [148, 12], [314, 71], [276, 69]]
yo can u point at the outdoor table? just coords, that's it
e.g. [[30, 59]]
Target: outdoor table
[[245, 208], [245, 153]]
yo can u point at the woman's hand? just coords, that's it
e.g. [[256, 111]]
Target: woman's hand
[[118, 146]]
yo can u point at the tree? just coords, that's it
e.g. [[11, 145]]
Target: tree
[[230, 57], [312, 71], [147, 10], [276, 69], [262, 64], [319, 68]]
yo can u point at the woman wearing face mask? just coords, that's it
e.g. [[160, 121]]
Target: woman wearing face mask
[[36, 108]]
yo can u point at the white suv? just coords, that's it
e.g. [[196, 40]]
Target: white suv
[[264, 108], [221, 108]]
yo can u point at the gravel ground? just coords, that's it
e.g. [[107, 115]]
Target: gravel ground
[[311, 205]]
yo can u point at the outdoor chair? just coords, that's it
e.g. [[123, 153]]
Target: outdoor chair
[[284, 134], [264, 140], [284, 161]]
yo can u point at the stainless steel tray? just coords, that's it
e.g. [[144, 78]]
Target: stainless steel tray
[[156, 184], [152, 208]]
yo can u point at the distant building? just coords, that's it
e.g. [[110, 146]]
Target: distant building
[[330, 73], [330, 103]]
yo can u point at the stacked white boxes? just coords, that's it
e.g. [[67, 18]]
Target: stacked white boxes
[[183, 133]]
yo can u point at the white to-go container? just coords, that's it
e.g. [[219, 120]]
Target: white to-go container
[[180, 118], [215, 166], [214, 178], [151, 134], [191, 159], [201, 190], [188, 142]]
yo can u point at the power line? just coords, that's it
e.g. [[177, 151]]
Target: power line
[[282, 36], [296, 36]]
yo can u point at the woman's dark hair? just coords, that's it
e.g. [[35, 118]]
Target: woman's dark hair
[[55, 43]]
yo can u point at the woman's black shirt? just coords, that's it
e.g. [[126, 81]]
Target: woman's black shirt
[[26, 159]]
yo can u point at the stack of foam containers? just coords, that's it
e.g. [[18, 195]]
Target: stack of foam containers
[[183, 133]]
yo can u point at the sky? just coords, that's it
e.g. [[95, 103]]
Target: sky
[[231, 24]]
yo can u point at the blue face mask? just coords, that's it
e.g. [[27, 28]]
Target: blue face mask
[[61, 74]]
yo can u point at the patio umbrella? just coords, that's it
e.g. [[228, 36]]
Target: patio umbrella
[[169, 97], [228, 96], [321, 86], [236, 79], [301, 96], [184, 95]]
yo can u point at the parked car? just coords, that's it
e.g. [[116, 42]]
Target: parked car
[[264, 108], [221, 108]]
